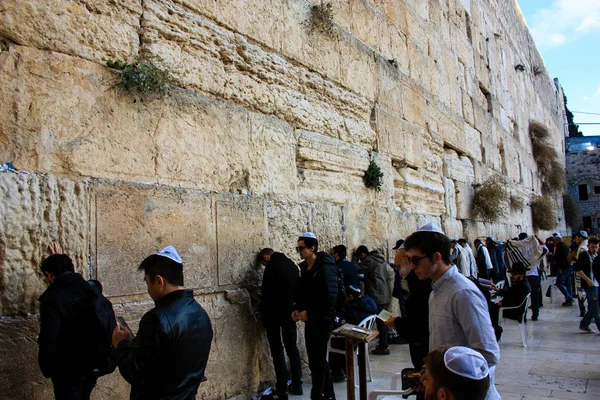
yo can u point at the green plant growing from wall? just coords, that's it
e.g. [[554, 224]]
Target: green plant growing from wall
[[321, 18], [373, 177], [516, 202], [142, 77], [488, 199], [572, 211], [552, 173], [542, 213]]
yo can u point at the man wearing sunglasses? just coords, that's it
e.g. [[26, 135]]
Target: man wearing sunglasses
[[458, 313], [316, 294]]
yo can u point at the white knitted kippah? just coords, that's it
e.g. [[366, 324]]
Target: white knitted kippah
[[171, 253], [466, 362]]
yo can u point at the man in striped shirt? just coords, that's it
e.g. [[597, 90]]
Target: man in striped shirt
[[458, 313]]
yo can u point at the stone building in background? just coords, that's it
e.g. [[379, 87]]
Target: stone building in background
[[273, 122], [583, 175]]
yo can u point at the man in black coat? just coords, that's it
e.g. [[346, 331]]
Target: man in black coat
[[68, 325], [168, 357], [277, 303], [315, 305]]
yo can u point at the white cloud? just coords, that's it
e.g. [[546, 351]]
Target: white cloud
[[597, 92], [563, 20]]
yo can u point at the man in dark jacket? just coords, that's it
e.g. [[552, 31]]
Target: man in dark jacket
[[564, 277], [68, 325], [316, 294], [373, 265], [348, 268], [277, 303], [168, 357]]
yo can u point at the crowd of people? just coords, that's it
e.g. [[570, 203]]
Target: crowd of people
[[450, 299]]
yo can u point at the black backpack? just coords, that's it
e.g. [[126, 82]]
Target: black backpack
[[102, 358]]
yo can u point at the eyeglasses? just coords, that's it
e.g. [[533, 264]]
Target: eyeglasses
[[300, 248], [415, 260]]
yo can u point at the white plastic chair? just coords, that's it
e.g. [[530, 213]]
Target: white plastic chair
[[522, 322], [394, 389], [366, 323]]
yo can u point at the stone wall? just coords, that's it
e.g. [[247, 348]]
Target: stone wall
[[583, 168], [267, 135]]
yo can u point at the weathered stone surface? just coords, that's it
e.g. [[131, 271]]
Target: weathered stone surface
[[234, 256], [450, 197], [94, 30], [133, 222], [36, 210], [223, 63], [286, 222], [458, 168]]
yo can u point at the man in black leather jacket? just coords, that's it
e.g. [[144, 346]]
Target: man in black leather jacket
[[67, 325], [315, 305], [168, 357]]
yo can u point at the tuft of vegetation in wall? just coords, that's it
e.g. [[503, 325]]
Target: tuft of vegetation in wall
[[572, 211], [321, 18], [142, 77], [373, 177], [489, 196], [542, 213], [552, 173], [516, 202]]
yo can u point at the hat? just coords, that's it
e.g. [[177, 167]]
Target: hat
[[491, 239], [308, 235], [466, 362], [518, 268], [353, 290], [557, 235], [430, 227], [582, 234], [399, 244], [453, 240], [171, 253]]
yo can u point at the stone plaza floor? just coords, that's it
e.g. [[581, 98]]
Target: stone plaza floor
[[559, 362]]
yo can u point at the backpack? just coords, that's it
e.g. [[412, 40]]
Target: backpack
[[102, 358]]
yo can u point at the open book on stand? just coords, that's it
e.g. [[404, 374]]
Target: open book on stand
[[352, 331]]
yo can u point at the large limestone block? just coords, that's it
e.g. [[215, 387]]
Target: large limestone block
[[134, 221], [273, 157], [365, 22], [60, 115], [390, 87], [20, 376], [206, 57], [399, 138], [367, 226], [473, 142], [36, 210], [396, 13], [393, 46], [447, 125], [320, 152], [452, 227], [464, 199], [232, 367], [327, 222], [332, 187], [450, 197], [235, 256], [286, 221], [90, 29], [421, 192], [415, 105], [458, 168]]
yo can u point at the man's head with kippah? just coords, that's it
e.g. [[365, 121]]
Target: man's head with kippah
[[458, 373]]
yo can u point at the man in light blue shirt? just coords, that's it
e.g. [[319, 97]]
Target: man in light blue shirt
[[458, 313]]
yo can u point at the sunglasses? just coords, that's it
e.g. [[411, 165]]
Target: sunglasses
[[415, 260], [300, 248]]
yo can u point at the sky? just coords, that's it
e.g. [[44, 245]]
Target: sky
[[567, 34]]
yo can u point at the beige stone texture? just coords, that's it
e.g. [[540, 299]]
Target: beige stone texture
[[36, 210], [95, 30], [134, 221]]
